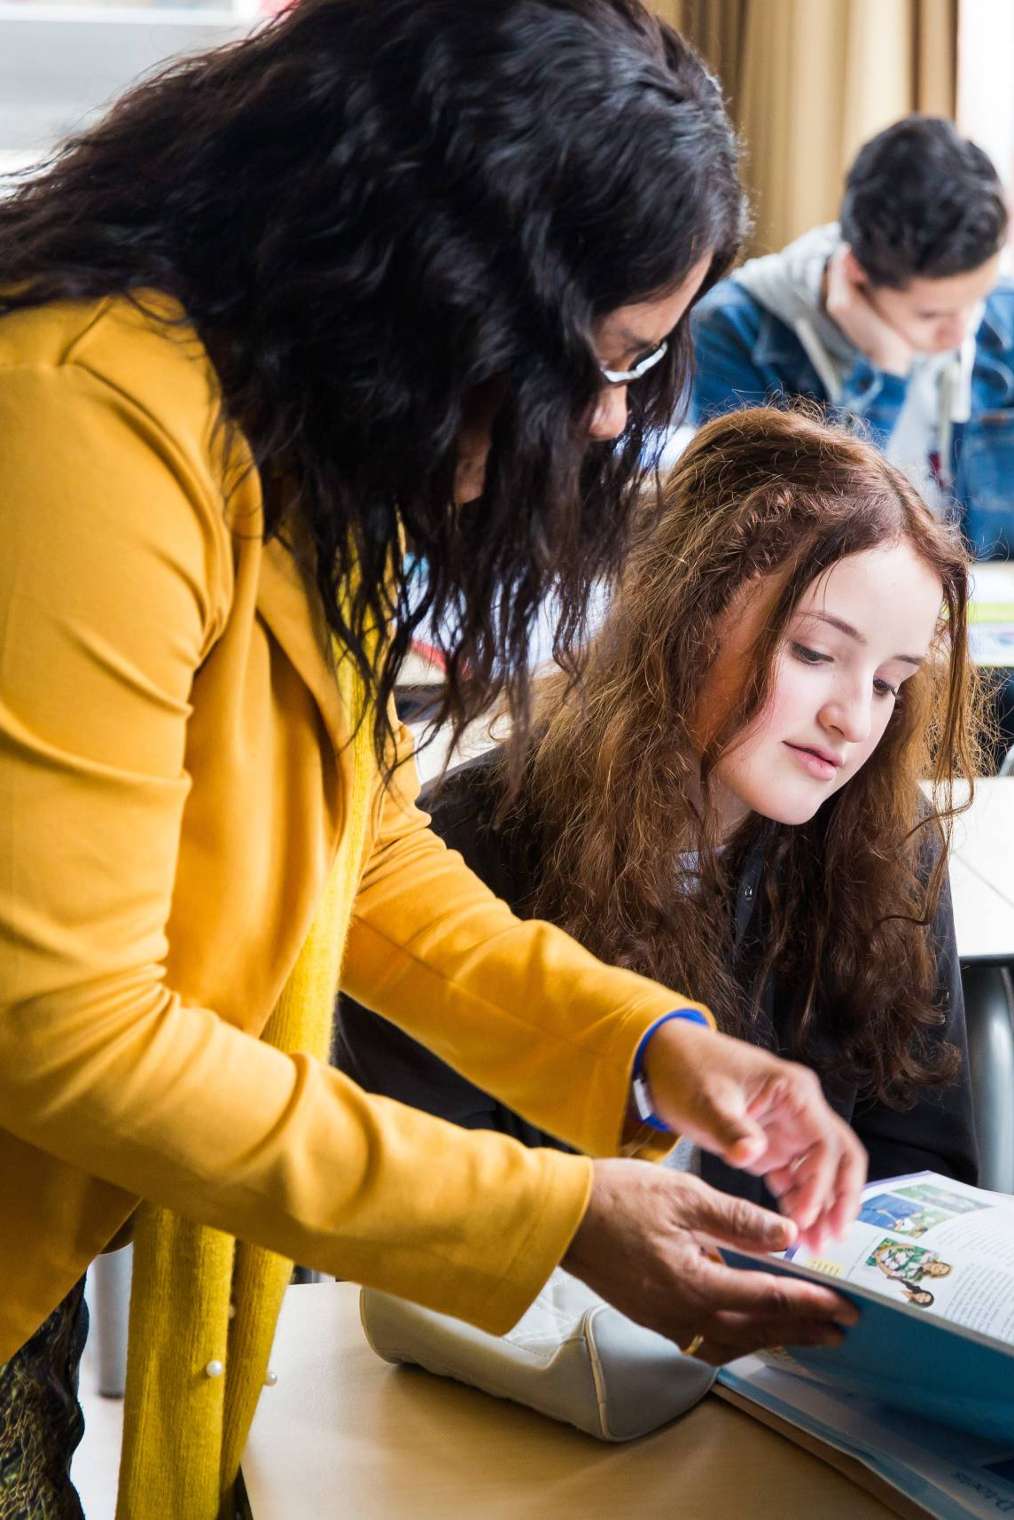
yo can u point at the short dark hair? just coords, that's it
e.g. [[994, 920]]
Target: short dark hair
[[921, 201], [372, 210]]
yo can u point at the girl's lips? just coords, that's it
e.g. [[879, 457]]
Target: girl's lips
[[816, 764]]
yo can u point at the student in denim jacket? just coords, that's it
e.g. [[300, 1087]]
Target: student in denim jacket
[[897, 315]]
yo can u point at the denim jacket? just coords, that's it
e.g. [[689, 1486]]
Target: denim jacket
[[746, 356]]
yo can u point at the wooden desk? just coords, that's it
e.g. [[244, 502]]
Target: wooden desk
[[345, 1435], [982, 890]]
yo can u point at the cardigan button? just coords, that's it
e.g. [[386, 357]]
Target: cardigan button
[[271, 1379], [215, 1368]]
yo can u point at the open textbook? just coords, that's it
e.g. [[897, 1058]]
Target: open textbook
[[921, 1393]]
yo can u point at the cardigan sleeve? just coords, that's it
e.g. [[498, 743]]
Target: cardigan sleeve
[[516, 1005], [381, 1057], [113, 586]]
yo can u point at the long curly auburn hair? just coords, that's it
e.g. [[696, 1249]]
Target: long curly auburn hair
[[378, 215], [621, 791]]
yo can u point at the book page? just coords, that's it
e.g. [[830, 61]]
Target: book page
[[936, 1245]]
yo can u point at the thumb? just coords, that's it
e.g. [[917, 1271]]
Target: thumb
[[739, 1223]]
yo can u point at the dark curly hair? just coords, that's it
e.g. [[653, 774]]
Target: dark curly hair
[[921, 201], [376, 214]]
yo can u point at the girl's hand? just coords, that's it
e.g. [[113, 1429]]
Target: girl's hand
[[764, 1115], [647, 1245]]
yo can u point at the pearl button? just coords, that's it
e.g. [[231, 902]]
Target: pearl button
[[232, 1311], [271, 1379], [215, 1368]]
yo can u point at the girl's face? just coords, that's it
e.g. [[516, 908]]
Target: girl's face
[[856, 636]]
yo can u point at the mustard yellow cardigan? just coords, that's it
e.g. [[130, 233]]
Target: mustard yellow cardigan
[[176, 787]]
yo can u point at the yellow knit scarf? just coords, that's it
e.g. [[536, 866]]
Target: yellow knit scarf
[[184, 1431]]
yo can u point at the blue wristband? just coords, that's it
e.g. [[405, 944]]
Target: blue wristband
[[639, 1081]]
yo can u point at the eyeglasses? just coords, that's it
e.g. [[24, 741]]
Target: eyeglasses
[[627, 376]]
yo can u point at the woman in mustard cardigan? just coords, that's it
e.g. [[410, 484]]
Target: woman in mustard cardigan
[[386, 273]]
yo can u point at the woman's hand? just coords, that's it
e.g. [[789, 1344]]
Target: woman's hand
[[647, 1245], [764, 1115]]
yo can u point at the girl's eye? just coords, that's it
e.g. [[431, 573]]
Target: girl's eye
[[884, 688], [809, 656]]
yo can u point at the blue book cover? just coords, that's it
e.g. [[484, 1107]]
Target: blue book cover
[[929, 1263]]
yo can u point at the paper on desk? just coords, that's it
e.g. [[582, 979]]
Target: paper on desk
[[991, 633]]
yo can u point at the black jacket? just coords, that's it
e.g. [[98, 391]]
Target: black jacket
[[936, 1134]]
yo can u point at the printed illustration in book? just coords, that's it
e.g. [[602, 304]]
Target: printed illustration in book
[[933, 1244], [929, 1262]]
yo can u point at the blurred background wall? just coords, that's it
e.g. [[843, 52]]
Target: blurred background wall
[[61, 64], [808, 81]]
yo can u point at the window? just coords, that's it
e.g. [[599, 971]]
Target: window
[[985, 80], [60, 64]]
